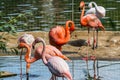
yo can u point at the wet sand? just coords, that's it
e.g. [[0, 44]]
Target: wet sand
[[76, 48]]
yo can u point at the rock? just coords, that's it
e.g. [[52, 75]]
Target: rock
[[6, 74]]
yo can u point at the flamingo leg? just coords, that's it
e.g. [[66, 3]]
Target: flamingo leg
[[94, 67], [97, 69], [88, 37], [97, 47], [27, 76], [88, 53], [21, 64], [94, 45], [27, 70], [62, 78], [96, 38], [53, 77]]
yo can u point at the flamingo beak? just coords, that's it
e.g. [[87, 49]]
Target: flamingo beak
[[79, 9], [33, 45]]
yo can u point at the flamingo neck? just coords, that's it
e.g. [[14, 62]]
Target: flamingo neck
[[28, 53], [82, 13], [67, 32], [93, 3], [72, 26], [43, 53], [28, 58], [96, 7], [99, 11], [43, 50]]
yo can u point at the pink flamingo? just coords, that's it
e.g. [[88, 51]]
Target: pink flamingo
[[99, 11], [90, 21], [58, 36], [50, 50], [56, 65]]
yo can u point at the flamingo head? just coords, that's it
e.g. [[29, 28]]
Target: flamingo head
[[72, 27], [37, 40], [82, 4], [90, 5]]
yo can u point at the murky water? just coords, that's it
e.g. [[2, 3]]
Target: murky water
[[108, 70]]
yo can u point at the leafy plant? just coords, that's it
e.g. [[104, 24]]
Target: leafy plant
[[9, 27]]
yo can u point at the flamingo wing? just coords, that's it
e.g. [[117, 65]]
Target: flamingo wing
[[57, 66], [57, 35], [90, 11], [57, 52], [101, 13]]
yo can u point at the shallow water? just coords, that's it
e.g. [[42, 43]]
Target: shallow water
[[108, 70]]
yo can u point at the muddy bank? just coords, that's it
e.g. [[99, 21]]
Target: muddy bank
[[76, 48]]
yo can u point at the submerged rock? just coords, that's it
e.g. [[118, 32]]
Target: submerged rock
[[6, 74]]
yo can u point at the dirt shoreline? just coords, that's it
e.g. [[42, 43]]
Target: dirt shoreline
[[108, 48]]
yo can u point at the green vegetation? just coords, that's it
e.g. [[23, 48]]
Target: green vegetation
[[9, 27]]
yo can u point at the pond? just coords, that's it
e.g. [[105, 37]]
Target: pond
[[108, 70]]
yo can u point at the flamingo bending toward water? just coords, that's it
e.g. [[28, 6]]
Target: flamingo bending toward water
[[56, 65], [28, 39], [99, 11], [59, 35], [50, 50]]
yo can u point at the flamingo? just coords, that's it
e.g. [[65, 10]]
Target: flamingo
[[58, 36], [90, 21], [28, 39], [50, 50], [56, 65], [99, 11]]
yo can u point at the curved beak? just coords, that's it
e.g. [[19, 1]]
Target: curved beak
[[79, 9]]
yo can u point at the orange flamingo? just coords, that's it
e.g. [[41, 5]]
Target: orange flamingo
[[28, 39], [50, 50], [48, 59], [59, 35], [90, 21]]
